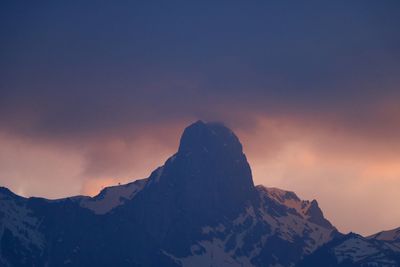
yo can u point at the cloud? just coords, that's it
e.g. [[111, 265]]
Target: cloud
[[39, 169]]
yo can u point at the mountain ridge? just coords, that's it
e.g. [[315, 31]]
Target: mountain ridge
[[200, 208]]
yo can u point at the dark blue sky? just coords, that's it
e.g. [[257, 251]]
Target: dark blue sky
[[73, 63], [93, 93]]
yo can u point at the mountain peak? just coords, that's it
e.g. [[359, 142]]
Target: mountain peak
[[208, 175], [215, 150], [211, 137]]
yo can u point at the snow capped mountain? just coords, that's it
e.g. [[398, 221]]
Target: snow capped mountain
[[307, 209], [390, 235], [258, 235], [288, 199], [200, 208], [20, 237], [355, 250]]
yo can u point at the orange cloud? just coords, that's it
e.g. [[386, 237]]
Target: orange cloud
[[356, 180]]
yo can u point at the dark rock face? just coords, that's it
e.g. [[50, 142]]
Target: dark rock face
[[316, 215], [200, 209], [211, 166], [209, 175]]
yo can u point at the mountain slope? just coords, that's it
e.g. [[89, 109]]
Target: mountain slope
[[200, 208], [112, 197], [390, 235], [353, 250], [263, 234]]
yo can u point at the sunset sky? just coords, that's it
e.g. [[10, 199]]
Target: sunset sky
[[97, 93]]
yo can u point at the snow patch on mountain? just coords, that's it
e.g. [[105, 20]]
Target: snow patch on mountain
[[356, 249], [211, 253], [289, 199], [390, 235], [360, 250], [20, 220], [112, 197]]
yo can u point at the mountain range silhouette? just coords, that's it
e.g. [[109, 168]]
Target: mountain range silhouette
[[201, 208]]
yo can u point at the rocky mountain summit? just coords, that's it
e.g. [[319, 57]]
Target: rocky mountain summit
[[200, 208]]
